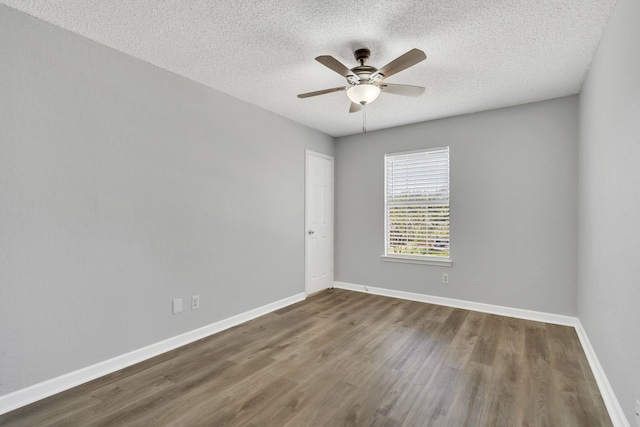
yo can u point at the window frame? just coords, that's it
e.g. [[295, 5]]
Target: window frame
[[412, 258]]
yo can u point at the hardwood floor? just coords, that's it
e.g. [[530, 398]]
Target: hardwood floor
[[346, 358]]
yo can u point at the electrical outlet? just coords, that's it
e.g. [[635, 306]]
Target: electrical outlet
[[638, 412], [177, 305], [195, 302], [445, 278]]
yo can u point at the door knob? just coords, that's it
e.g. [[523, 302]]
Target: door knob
[[310, 232]]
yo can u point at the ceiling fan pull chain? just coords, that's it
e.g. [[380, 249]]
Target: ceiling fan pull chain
[[364, 118]]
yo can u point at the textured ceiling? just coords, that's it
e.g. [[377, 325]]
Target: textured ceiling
[[480, 54]]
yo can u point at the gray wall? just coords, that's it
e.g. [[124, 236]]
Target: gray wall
[[609, 274], [124, 186], [513, 207]]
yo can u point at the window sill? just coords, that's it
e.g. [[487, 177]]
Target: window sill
[[407, 260]]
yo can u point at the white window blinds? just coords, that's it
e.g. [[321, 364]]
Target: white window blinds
[[417, 204]]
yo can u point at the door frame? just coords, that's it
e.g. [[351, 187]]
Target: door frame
[[309, 153]]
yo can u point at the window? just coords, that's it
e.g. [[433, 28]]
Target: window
[[417, 206]]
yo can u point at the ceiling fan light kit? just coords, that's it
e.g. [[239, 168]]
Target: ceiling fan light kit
[[366, 82], [364, 93]]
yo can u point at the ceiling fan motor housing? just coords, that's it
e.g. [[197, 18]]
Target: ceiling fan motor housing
[[364, 72]]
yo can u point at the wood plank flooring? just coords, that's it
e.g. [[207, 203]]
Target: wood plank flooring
[[343, 358]]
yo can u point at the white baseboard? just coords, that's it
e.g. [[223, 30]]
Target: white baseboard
[[611, 402], [19, 398], [537, 316]]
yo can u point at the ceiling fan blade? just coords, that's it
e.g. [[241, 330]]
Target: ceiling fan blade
[[405, 90], [355, 107], [321, 92], [337, 66], [402, 62]]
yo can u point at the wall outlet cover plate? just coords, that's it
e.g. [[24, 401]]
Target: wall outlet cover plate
[[177, 305]]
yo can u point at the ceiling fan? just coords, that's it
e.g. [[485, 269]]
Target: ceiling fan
[[366, 82]]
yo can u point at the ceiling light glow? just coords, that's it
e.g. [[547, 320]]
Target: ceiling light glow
[[363, 93]]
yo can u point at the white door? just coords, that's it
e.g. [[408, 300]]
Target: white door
[[318, 222]]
